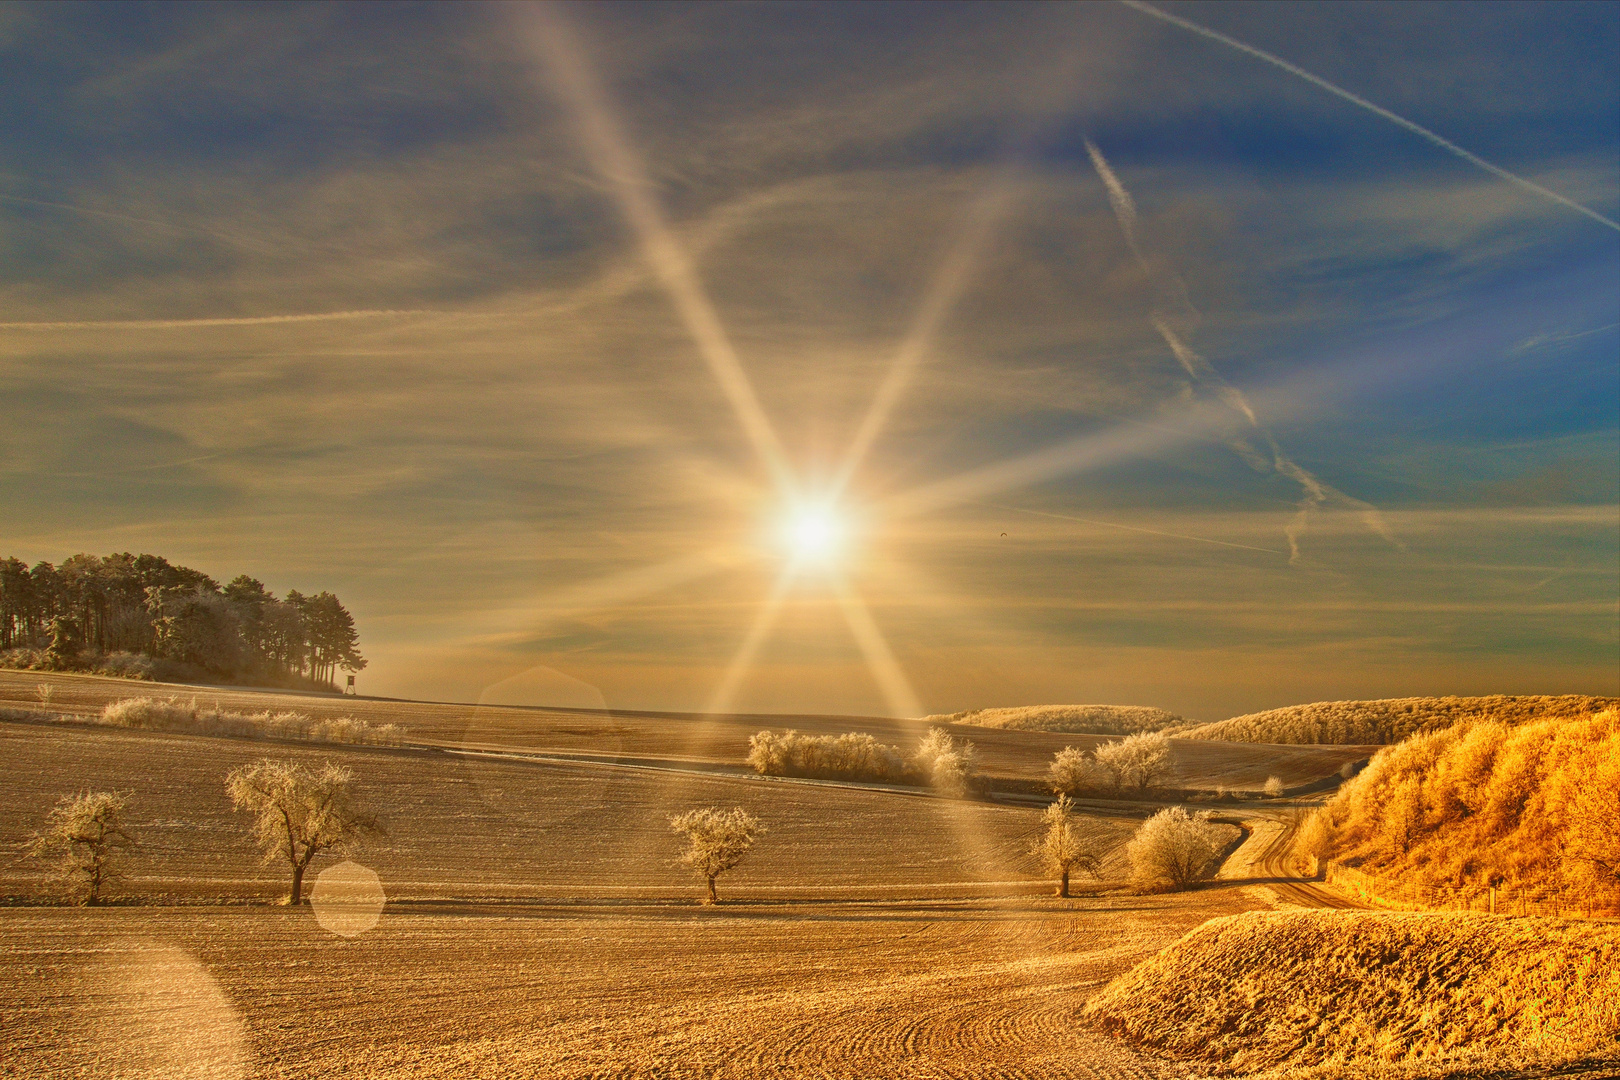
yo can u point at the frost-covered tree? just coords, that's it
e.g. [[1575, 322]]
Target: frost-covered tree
[[716, 840], [299, 812], [1074, 772], [85, 832], [1138, 761], [1061, 849], [946, 761]]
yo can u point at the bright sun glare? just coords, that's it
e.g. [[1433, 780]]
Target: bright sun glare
[[814, 533]]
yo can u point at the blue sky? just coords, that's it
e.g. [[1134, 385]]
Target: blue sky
[[1274, 400]]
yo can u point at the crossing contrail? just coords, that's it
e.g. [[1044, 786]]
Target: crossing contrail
[[1314, 493], [1355, 99]]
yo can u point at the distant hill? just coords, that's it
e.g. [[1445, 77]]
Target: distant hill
[[1388, 720], [1079, 719]]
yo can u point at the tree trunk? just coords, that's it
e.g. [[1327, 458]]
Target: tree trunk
[[1063, 886], [714, 897], [295, 895]]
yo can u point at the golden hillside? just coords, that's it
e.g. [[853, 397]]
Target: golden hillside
[[1388, 720], [1416, 994], [1533, 806]]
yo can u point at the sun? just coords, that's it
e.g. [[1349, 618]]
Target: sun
[[813, 533]]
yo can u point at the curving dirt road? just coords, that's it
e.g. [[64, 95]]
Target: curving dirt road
[[1264, 860]]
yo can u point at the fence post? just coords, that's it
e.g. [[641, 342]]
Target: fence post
[[1493, 899]]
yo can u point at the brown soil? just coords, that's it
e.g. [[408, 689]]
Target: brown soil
[[536, 927]]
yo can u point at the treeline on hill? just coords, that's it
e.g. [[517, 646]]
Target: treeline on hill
[[1533, 807], [1389, 720], [140, 616]]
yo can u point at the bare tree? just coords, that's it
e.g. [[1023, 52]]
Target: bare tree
[[1061, 849], [1138, 761], [717, 840], [299, 812], [1073, 772], [85, 831], [1173, 847]]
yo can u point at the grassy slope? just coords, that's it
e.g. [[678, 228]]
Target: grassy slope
[[1388, 720], [1530, 805], [1267, 990]]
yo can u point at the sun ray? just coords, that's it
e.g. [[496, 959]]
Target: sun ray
[[1136, 529], [886, 670], [621, 167], [757, 634], [943, 292], [1065, 458]]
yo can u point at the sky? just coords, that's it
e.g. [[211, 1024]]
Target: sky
[[1215, 357]]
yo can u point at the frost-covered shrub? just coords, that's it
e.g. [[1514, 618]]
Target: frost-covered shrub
[[1137, 761], [172, 714], [946, 762], [853, 755], [1173, 849]]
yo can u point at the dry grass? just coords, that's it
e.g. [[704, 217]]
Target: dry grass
[[172, 714], [1388, 720], [1480, 803], [1079, 719], [1272, 990]]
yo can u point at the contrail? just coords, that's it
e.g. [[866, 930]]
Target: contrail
[[1394, 118], [610, 152], [186, 324], [1315, 493], [130, 218], [1134, 528], [1120, 199]]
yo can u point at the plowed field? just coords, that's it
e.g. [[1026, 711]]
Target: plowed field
[[536, 926], [708, 740], [988, 989]]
